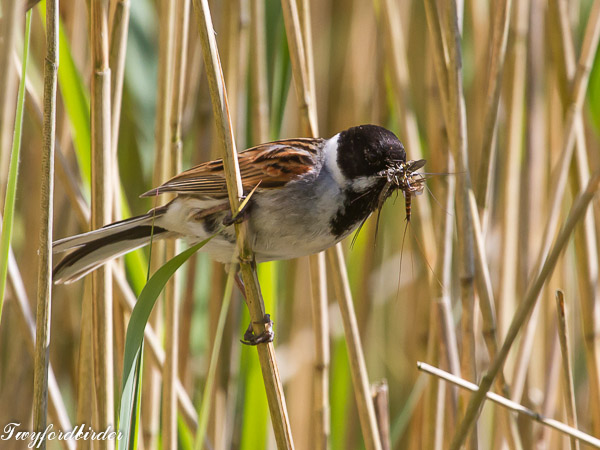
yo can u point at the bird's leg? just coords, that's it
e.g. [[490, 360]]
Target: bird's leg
[[250, 338]]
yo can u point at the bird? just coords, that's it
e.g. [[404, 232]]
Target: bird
[[310, 193]]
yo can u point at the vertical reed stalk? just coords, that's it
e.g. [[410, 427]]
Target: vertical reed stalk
[[525, 307], [322, 358], [169, 398], [119, 28], [12, 12], [162, 166], [318, 275], [358, 367], [101, 214], [258, 76], [399, 67], [513, 150], [585, 237], [497, 54], [56, 408], [458, 143], [266, 353], [567, 369], [44, 288]]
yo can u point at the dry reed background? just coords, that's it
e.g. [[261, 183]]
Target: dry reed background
[[507, 106]]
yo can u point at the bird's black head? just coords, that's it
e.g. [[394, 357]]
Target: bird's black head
[[367, 150]]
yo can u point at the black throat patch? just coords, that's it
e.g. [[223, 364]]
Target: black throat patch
[[356, 208]]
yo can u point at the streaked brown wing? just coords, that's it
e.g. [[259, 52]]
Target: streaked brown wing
[[273, 165]]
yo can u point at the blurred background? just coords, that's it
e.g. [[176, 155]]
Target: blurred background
[[373, 63]]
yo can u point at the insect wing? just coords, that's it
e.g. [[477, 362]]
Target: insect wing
[[412, 166]]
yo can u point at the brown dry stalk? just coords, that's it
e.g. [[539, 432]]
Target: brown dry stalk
[[102, 191], [266, 352], [169, 377], [56, 408], [514, 406], [44, 288], [499, 39], [318, 281], [585, 237], [12, 14], [525, 307], [565, 348]]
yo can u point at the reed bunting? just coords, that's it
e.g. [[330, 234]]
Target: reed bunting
[[311, 194]]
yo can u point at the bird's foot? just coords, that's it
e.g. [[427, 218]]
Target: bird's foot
[[241, 216], [265, 337]]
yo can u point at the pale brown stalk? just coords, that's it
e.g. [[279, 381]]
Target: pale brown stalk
[[318, 277], [456, 125], [266, 353], [551, 390], [585, 238], [102, 185], [12, 20], [497, 55], [258, 76], [306, 101], [381, 400], [572, 116], [318, 282], [172, 316], [358, 367], [44, 288], [513, 406], [525, 307], [151, 385], [57, 410], [486, 299], [512, 157], [567, 369], [85, 365], [398, 63], [119, 28]]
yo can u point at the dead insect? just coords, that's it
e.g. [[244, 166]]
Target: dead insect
[[411, 183], [404, 177]]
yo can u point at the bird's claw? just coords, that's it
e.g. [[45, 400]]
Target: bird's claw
[[239, 217], [265, 337]]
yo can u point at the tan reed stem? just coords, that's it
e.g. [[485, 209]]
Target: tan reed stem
[[513, 406], [464, 220], [12, 19], [57, 410], [381, 400], [497, 56], [257, 62], [102, 185], [585, 237], [151, 408], [44, 288], [567, 369], [356, 356], [318, 281], [169, 374], [266, 353], [119, 28], [524, 309]]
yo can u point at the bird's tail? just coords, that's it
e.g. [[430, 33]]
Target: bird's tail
[[88, 251]]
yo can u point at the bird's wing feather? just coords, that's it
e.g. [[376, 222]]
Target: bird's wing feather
[[272, 165]]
